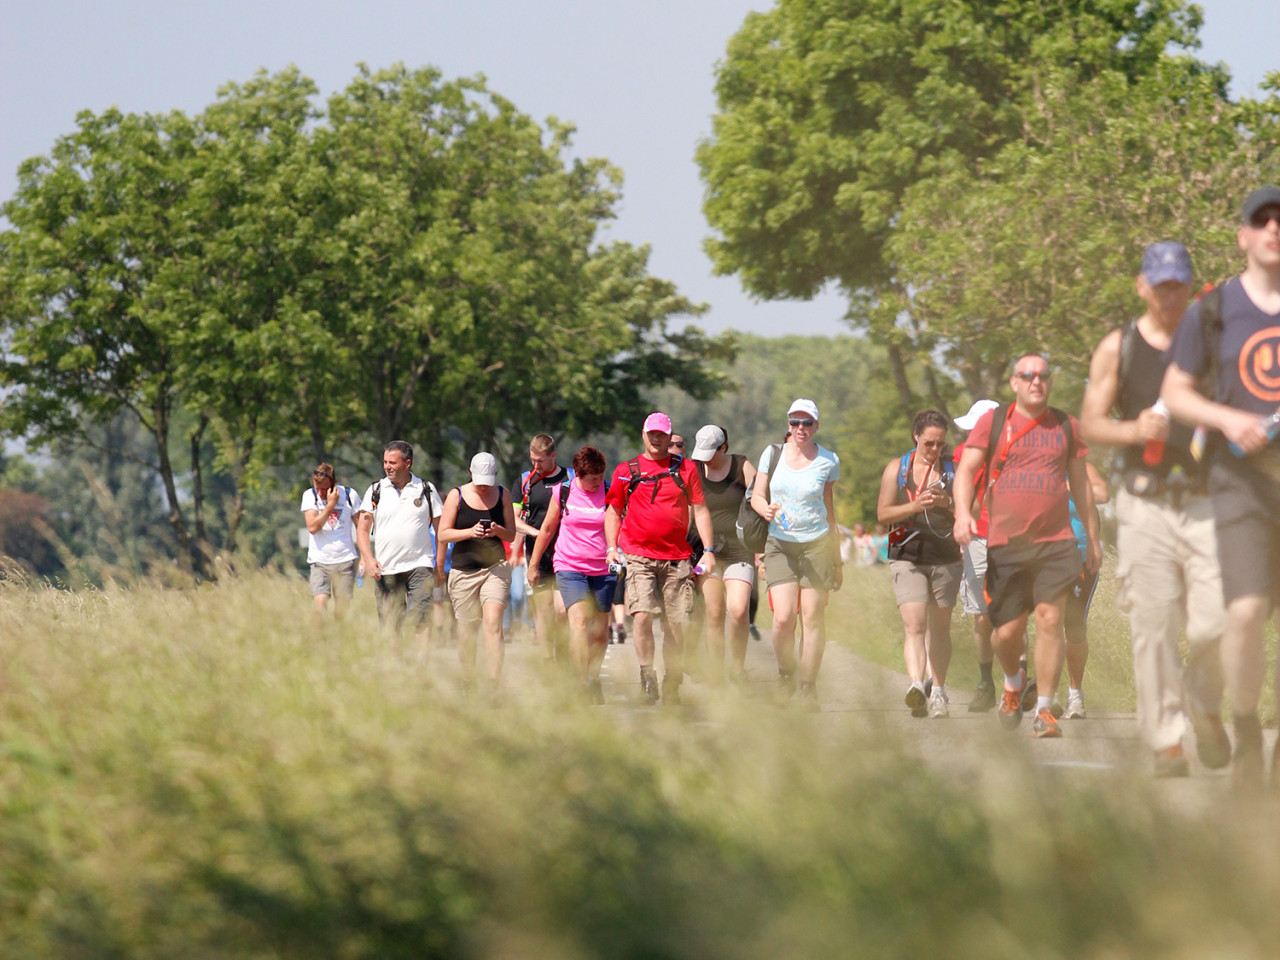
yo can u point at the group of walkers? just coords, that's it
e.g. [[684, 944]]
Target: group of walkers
[[1007, 523]]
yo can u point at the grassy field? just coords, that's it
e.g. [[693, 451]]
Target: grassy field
[[193, 774]]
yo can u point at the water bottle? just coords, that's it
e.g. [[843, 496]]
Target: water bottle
[[699, 570], [1153, 452], [782, 520], [1270, 426], [360, 575]]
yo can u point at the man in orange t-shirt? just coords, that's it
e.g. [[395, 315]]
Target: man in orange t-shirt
[[1036, 455]]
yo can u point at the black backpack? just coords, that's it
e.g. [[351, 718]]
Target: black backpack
[[672, 471], [427, 489], [753, 529]]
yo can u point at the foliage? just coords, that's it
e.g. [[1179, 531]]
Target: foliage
[[193, 774], [830, 111], [1039, 248], [416, 260]]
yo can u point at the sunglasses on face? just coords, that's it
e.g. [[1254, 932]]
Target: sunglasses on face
[[678, 443], [1263, 217], [801, 421], [1029, 376]]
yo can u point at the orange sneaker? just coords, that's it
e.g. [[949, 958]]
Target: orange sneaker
[[1010, 712], [1045, 725]]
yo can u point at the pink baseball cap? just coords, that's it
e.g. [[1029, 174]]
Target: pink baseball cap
[[659, 422]]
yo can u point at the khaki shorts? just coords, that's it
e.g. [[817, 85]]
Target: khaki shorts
[[933, 584], [811, 564], [470, 590], [660, 586], [334, 579]]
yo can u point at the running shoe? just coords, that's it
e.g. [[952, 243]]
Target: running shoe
[[1170, 762], [984, 697], [649, 684], [1213, 745], [1028, 693], [807, 698], [917, 700], [1010, 714], [1075, 706], [1045, 726], [938, 705]]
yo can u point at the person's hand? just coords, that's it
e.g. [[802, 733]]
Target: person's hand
[[332, 498], [838, 579], [1244, 430], [708, 561], [964, 529], [1093, 557], [532, 576], [1150, 425], [480, 530], [771, 511], [439, 576], [372, 568]]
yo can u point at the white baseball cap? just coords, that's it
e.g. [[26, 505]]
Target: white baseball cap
[[801, 405], [707, 442], [484, 469], [970, 419]]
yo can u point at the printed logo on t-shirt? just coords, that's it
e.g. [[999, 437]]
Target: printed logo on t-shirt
[[1260, 364]]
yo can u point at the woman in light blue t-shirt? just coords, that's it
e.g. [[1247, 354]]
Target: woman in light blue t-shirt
[[802, 554]]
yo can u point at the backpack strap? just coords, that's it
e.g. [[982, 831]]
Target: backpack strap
[[1128, 344], [998, 421], [904, 465], [1211, 337], [564, 496], [377, 494]]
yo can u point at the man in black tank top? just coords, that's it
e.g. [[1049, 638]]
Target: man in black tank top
[[1165, 525]]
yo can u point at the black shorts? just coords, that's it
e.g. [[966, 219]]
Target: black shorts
[[1021, 575], [1246, 518]]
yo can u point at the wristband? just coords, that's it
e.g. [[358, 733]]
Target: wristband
[[708, 549]]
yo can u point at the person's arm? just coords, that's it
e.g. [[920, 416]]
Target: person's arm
[[364, 523], [612, 525], [1100, 397], [1097, 485], [748, 474], [1082, 494], [966, 471], [441, 550], [447, 532], [888, 510], [316, 518], [507, 529], [833, 528], [550, 524], [759, 493], [1185, 402], [706, 533]]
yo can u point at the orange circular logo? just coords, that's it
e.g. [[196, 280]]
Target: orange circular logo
[[1260, 364]]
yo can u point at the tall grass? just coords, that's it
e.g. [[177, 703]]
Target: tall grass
[[194, 774]]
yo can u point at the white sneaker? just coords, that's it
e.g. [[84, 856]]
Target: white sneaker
[[1075, 706], [938, 705], [917, 700]]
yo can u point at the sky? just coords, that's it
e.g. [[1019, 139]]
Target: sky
[[635, 77]]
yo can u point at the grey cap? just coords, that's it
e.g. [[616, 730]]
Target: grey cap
[[707, 442], [484, 469], [1165, 261], [1262, 197]]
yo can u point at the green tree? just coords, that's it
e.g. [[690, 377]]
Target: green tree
[[829, 110]]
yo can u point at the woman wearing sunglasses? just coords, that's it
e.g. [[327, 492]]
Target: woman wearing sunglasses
[[802, 553]]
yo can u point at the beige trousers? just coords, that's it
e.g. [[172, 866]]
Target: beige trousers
[[1169, 578]]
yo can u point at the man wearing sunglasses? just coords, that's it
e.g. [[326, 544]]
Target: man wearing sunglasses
[[1225, 375], [1034, 458]]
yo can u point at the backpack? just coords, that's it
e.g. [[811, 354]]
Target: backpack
[[524, 491], [636, 478], [901, 532], [753, 529], [427, 489]]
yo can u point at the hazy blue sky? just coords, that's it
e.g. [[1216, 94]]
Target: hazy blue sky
[[635, 77]]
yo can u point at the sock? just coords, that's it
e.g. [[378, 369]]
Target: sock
[[1073, 690], [1014, 682], [940, 688], [1043, 703], [984, 671]]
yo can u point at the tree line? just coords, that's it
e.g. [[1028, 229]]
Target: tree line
[[275, 279]]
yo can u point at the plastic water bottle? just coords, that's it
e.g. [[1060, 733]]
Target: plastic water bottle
[[699, 570], [783, 521], [1270, 426], [360, 575], [1153, 452]]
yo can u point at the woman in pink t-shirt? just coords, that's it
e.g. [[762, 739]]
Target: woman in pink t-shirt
[[582, 572]]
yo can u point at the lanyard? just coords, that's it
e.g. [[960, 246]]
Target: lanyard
[[911, 464]]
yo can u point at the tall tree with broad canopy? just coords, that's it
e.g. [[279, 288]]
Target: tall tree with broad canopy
[[829, 110]]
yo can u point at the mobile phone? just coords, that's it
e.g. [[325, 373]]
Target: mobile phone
[[486, 525], [939, 485]]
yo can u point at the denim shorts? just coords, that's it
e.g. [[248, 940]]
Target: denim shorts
[[575, 587]]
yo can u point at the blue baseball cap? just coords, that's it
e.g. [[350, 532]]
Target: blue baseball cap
[[1165, 261]]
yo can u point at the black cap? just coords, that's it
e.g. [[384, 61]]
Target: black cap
[[1262, 197]]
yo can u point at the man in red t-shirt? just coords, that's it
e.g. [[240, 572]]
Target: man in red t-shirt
[[1037, 454], [646, 521]]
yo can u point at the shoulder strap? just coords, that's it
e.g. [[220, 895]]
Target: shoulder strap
[[1128, 344], [377, 493], [428, 488], [1211, 335], [1064, 423], [949, 467], [903, 466], [564, 496], [993, 438]]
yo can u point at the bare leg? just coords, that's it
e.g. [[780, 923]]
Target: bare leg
[[737, 609], [813, 607], [643, 630], [939, 643], [786, 598], [913, 642], [494, 649], [1049, 653], [713, 599]]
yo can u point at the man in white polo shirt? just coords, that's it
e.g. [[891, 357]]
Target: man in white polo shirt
[[400, 511]]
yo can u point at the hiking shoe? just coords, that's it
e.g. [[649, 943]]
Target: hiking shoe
[[917, 700], [1213, 746], [670, 692], [807, 698], [984, 697], [1170, 762], [1045, 726], [938, 705], [1246, 761], [786, 687], [649, 684], [1075, 706], [1028, 693], [1010, 714]]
